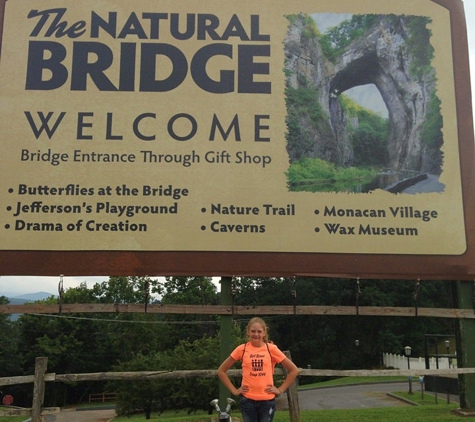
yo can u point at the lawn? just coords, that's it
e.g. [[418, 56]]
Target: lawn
[[427, 411], [352, 380], [432, 413]]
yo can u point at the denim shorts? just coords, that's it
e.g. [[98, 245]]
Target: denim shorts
[[257, 410]]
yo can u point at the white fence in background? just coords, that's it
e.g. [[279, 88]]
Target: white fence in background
[[400, 362]]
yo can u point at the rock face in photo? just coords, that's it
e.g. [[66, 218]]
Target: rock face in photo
[[393, 53]]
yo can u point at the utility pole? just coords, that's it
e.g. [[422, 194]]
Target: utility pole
[[225, 346]]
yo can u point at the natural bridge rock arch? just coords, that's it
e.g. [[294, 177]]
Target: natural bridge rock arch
[[380, 56]]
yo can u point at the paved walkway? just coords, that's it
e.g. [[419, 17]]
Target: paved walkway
[[72, 415], [431, 184]]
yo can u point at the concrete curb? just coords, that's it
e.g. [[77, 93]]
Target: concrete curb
[[461, 412], [402, 399], [394, 396]]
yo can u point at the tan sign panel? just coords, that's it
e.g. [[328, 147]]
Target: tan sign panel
[[292, 135]]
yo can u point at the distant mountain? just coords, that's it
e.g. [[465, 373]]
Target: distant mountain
[[16, 301], [32, 297], [26, 298]]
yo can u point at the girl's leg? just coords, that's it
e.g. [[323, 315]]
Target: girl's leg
[[266, 410], [249, 410]]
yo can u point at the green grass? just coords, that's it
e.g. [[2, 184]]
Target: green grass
[[352, 380], [433, 413], [428, 400], [428, 411], [388, 414], [314, 174], [13, 418]]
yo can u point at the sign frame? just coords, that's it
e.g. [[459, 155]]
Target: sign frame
[[285, 264]]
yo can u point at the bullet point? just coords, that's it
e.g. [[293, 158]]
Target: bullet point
[[7, 226], [203, 209], [203, 228], [317, 212], [9, 208], [317, 230], [10, 190]]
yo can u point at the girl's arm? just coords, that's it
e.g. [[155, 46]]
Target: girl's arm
[[223, 376], [292, 372]]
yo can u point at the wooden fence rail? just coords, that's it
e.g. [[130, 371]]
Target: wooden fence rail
[[41, 377], [209, 373], [102, 397], [238, 310]]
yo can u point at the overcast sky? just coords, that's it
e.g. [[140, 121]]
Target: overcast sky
[[14, 286]]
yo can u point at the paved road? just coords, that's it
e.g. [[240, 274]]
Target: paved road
[[362, 396], [351, 397]]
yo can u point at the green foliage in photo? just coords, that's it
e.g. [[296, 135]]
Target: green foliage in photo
[[337, 38], [370, 136], [318, 172], [304, 114]]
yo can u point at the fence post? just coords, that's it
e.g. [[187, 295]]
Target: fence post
[[39, 389], [293, 396]]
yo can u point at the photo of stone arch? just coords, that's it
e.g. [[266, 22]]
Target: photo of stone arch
[[336, 141]]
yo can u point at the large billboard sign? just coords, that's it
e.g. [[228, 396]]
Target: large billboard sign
[[225, 138]]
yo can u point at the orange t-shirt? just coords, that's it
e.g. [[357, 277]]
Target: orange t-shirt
[[258, 368]]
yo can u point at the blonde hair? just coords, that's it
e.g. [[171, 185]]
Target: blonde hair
[[261, 322]]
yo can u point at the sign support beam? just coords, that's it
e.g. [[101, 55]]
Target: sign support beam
[[225, 346], [464, 295]]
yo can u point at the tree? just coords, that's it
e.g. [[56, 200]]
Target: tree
[[126, 289], [160, 395], [10, 360], [90, 342], [188, 291], [329, 341], [337, 38]]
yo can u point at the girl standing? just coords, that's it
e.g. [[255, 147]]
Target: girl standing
[[257, 389]]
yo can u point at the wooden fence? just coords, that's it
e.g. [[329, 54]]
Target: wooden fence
[[388, 311], [41, 377], [102, 397]]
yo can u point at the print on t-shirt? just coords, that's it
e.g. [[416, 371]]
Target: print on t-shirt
[[257, 365]]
